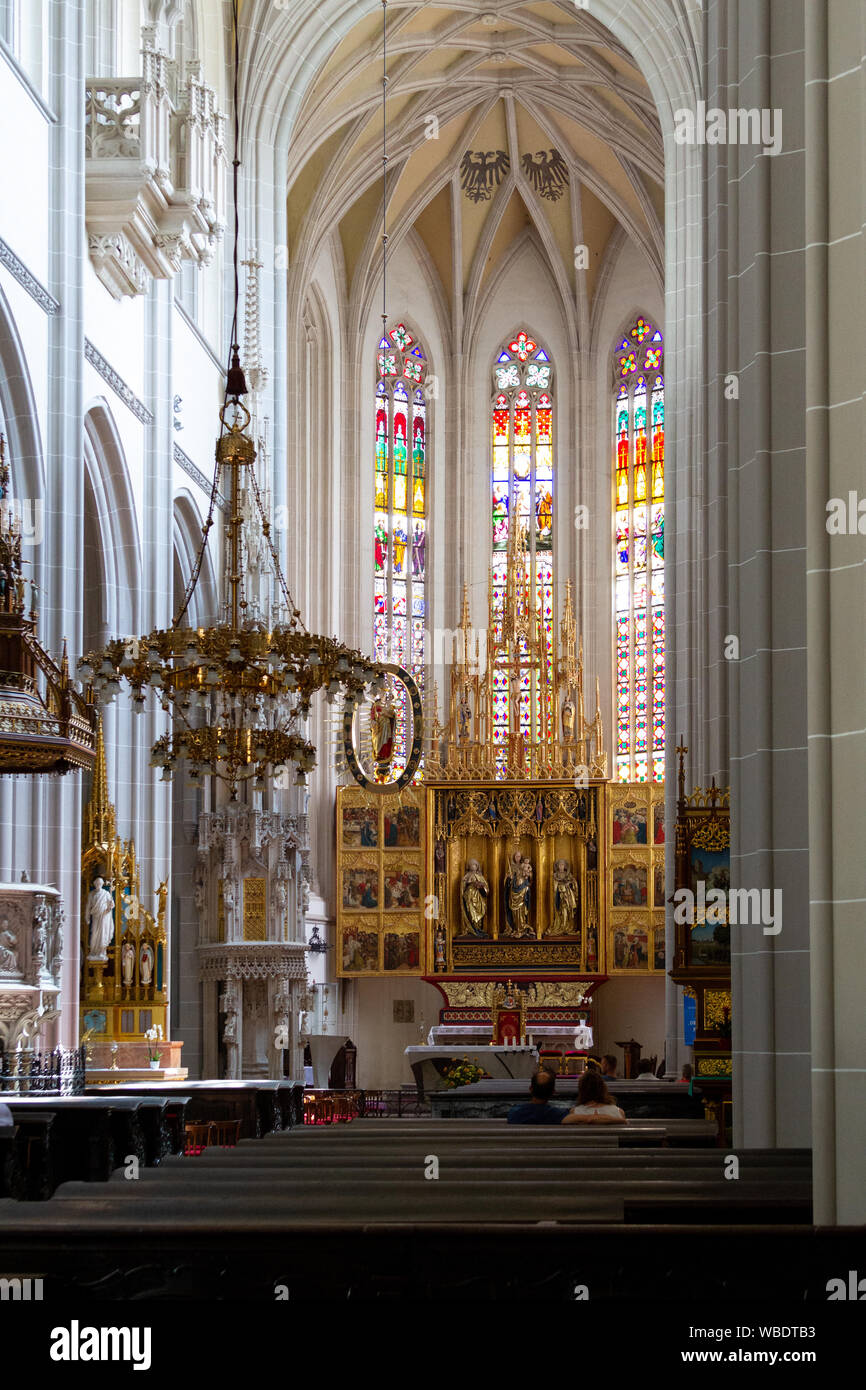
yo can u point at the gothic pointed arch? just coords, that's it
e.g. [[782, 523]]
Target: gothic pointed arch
[[187, 543], [19, 420], [112, 550]]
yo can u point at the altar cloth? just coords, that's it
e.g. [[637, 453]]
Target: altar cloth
[[504, 1063]]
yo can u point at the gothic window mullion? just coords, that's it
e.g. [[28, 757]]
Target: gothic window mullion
[[632, 614], [639, 554], [392, 484], [401, 555], [522, 377]]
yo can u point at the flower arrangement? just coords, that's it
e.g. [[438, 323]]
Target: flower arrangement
[[153, 1037], [462, 1074]]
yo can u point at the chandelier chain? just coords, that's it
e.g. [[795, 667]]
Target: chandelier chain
[[384, 164]]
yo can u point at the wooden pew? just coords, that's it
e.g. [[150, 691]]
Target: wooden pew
[[527, 1195], [88, 1136], [358, 1180], [398, 1158], [263, 1107], [237, 1207], [35, 1179]]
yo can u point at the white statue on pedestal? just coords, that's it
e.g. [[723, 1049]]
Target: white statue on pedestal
[[145, 963], [127, 962], [39, 931], [8, 947], [229, 908], [99, 916], [56, 953], [229, 1004], [280, 901]]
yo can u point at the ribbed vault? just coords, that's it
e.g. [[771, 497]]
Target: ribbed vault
[[523, 80]]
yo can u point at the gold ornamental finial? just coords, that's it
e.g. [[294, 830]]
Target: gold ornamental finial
[[99, 823], [99, 797], [466, 627], [599, 729]]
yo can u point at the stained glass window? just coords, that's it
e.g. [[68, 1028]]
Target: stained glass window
[[400, 512], [639, 549], [522, 494]]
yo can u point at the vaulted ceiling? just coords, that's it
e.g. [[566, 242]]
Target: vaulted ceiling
[[544, 80]]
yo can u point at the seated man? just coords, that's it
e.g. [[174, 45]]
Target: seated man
[[645, 1071], [595, 1104], [608, 1067], [538, 1110]]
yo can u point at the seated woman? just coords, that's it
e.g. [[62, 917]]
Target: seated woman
[[595, 1104]]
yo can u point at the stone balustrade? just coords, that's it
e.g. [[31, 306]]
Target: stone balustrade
[[155, 165]]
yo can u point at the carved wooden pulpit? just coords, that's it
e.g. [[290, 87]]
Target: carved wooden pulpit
[[508, 1012]]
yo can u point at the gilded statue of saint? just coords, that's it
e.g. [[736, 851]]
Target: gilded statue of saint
[[566, 898], [473, 899], [518, 896], [568, 720], [383, 722]]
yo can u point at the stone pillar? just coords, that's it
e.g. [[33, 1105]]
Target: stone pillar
[[685, 538], [55, 806], [152, 830], [752, 520], [836, 598]]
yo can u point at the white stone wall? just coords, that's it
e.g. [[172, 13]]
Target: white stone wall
[[117, 393]]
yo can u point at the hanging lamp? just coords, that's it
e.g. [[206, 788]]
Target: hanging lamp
[[237, 692]]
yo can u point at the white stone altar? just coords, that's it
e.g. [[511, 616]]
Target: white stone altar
[[563, 1035], [499, 1061]]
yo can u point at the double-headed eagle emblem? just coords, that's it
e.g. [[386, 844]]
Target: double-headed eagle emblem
[[547, 171], [481, 171]]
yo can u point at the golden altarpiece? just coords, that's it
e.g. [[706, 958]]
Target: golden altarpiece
[[702, 955], [515, 856], [123, 946]]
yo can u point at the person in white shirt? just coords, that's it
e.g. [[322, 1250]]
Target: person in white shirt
[[645, 1071], [595, 1105]]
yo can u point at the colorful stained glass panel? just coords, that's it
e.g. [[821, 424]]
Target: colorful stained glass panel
[[639, 556], [399, 533]]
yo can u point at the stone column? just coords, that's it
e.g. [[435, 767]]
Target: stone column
[[685, 541], [836, 599], [753, 519], [55, 806]]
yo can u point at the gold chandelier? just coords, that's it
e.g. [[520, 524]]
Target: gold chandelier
[[237, 692]]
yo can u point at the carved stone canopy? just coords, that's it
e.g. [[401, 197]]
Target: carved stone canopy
[[251, 960], [258, 828]]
